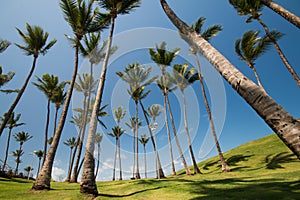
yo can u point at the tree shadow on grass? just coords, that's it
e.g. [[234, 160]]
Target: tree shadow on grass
[[127, 195], [275, 161]]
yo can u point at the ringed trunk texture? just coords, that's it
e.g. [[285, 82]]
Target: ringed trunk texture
[[280, 121]]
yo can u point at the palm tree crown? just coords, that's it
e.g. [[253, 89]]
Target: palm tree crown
[[4, 44]]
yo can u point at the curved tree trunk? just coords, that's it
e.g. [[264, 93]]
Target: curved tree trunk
[[286, 127], [46, 131], [7, 148], [43, 179], [291, 17], [20, 93], [137, 171], [187, 170], [251, 65], [225, 167], [280, 53]]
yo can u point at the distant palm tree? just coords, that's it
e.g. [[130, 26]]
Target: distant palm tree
[[5, 78], [11, 123], [21, 137], [35, 44], [253, 8], [183, 78], [18, 153], [98, 140], [117, 132], [144, 140], [39, 154], [4, 44], [71, 142], [28, 169]]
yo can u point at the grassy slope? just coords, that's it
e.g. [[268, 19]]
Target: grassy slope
[[261, 169]]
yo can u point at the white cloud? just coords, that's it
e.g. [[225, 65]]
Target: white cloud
[[58, 173]]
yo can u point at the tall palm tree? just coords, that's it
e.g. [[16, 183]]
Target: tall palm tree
[[114, 8], [12, 123], [4, 44], [144, 140], [81, 17], [5, 78], [35, 44], [71, 142], [183, 78], [18, 153], [207, 34], [286, 127], [253, 8], [117, 132], [251, 46], [48, 84], [98, 140], [21, 137], [291, 17], [39, 154]]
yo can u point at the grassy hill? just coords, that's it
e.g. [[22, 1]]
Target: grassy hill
[[261, 169]]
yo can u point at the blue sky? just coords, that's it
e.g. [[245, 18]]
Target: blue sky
[[237, 122]]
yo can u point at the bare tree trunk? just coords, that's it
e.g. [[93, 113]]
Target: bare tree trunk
[[137, 172], [7, 149], [286, 127], [55, 120], [46, 131], [145, 161], [251, 65], [98, 161], [115, 159], [120, 166]]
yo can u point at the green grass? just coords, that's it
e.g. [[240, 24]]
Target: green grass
[[261, 169]]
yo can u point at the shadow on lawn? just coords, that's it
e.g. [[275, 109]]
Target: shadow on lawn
[[127, 195], [274, 162]]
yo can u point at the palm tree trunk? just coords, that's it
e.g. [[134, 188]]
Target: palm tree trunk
[[20, 93], [46, 131], [70, 158], [187, 170], [137, 172], [291, 17], [98, 161], [159, 171], [145, 161], [18, 161], [7, 148], [280, 53], [39, 165], [119, 153], [88, 183], [251, 65], [225, 167], [44, 177], [55, 119], [196, 169], [279, 120], [115, 159], [169, 134]]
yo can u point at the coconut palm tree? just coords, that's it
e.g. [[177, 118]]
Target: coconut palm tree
[[98, 140], [144, 140], [12, 123], [207, 34], [251, 46], [18, 153], [39, 154], [286, 127], [35, 44], [28, 169], [117, 132], [81, 17], [21, 137], [48, 84], [291, 17], [183, 78], [4, 44], [253, 8], [71, 142], [5, 78], [114, 8]]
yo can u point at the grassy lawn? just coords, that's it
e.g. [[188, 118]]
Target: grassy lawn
[[262, 169]]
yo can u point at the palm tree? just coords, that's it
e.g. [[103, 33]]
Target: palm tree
[[58, 98], [39, 154], [4, 44], [251, 46], [144, 140], [117, 132], [21, 137], [28, 169], [81, 17], [183, 78], [12, 123], [98, 140], [207, 35], [35, 44], [114, 8], [18, 153], [291, 17], [48, 84], [253, 8], [71, 142], [285, 126], [5, 78]]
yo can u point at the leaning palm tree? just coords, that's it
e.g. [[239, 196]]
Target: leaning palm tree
[[21, 137], [71, 142], [251, 46], [39, 154], [253, 8], [81, 17], [114, 8], [207, 35], [291, 17], [4, 44], [286, 127], [35, 44], [117, 132], [48, 84], [12, 123], [144, 140], [98, 140], [18, 153], [183, 78]]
